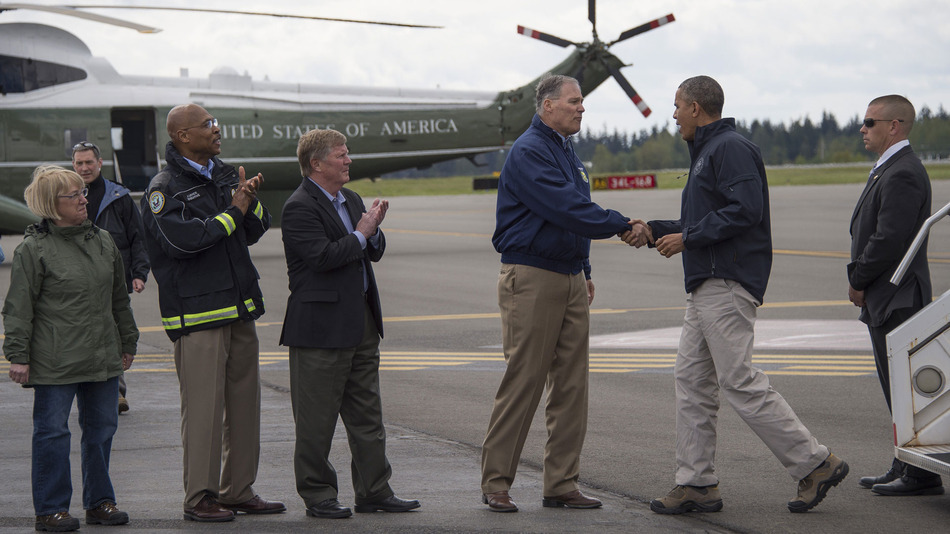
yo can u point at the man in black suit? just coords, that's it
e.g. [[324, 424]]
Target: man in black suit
[[333, 327], [891, 210]]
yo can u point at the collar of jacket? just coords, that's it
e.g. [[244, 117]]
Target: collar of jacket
[[173, 158], [705, 133], [550, 132], [46, 227]]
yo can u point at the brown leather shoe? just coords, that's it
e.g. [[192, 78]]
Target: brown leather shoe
[[572, 499], [208, 510], [499, 501], [257, 505]]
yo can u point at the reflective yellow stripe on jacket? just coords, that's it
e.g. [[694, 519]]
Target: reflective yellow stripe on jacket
[[195, 319], [226, 221]]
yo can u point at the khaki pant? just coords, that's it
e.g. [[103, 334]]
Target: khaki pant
[[715, 358], [545, 329], [219, 379]]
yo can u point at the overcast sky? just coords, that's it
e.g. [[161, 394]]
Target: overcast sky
[[777, 60]]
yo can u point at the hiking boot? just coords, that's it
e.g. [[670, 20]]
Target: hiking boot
[[106, 514], [123, 404], [813, 488], [684, 499], [58, 522]]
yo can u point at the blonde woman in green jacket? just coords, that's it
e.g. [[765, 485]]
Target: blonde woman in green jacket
[[69, 333]]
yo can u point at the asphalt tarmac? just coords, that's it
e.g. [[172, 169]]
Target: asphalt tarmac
[[442, 362]]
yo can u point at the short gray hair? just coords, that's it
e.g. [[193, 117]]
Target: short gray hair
[[549, 88], [706, 92]]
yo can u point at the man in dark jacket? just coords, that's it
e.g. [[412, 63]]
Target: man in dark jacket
[[545, 220], [200, 217], [892, 208], [724, 235], [111, 208], [333, 326]]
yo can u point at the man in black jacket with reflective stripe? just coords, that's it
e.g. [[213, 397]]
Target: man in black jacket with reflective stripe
[[200, 217]]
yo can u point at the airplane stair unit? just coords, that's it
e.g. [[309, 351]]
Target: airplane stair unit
[[919, 356]]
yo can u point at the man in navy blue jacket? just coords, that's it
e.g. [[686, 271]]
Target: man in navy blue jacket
[[725, 237], [545, 220]]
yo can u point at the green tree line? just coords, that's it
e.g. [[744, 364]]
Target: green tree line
[[801, 142]]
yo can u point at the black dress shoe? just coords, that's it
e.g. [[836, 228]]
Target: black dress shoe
[[330, 509], [894, 473], [907, 486], [389, 504]]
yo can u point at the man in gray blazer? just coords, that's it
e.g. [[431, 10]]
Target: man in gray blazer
[[333, 326], [891, 210]]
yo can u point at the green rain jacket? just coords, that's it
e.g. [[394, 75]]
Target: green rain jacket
[[67, 313]]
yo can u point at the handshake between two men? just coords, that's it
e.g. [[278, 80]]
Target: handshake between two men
[[641, 234]]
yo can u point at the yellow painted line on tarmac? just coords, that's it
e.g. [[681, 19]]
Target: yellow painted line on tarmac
[[866, 368], [837, 254], [449, 317], [625, 361], [416, 362], [434, 232], [638, 364], [813, 253], [824, 363], [593, 311], [844, 365], [808, 304], [439, 353], [814, 373]]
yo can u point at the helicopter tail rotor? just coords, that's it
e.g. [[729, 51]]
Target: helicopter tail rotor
[[598, 50]]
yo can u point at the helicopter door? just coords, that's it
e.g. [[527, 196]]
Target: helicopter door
[[135, 147]]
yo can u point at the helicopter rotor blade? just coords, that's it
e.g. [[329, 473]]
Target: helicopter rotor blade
[[631, 92], [546, 37], [76, 11], [592, 13], [257, 13], [73, 12], [643, 28]]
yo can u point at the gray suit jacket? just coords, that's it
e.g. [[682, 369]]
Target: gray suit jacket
[[891, 210]]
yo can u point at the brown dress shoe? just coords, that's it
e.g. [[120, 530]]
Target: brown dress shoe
[[499, 501], [257, 505], [572, 499], [208, 510]]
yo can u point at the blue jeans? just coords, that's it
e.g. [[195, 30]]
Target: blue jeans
[[98, 419]]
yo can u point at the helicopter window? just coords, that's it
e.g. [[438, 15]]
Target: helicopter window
[[21, 75]]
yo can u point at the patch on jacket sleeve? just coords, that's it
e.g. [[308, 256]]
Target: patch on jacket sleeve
[[156, 201]]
